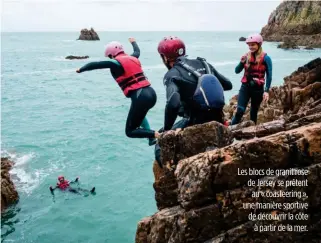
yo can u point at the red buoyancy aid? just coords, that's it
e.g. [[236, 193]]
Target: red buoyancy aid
[[133, 77], [254, 68], [63, 185]]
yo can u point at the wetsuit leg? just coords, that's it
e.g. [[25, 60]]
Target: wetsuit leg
[[180, 124], [256, 100], [145, 125], [73, 190], [142, 101], [242, 101]]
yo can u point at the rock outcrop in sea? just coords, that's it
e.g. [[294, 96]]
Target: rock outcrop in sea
[[76, 57], [298, 21], [9, 194], [199, 192], [86, 34]]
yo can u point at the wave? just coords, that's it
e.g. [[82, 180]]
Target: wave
[[24, 180], [38, 72]]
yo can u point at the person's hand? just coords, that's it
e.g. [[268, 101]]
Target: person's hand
[[78, 70], [131, 39], [50, 188], [266, 96], [243, 59], [157, 135]]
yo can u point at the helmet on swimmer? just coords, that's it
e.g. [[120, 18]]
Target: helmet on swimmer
[[254, 38], [61, 177], [113, 49], [171, 47]]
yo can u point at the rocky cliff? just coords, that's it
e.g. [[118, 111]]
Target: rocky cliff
[[299, 21], [200, 194], [9, 195]]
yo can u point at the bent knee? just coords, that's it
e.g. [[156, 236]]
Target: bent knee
[[129, 132], [240, 110]]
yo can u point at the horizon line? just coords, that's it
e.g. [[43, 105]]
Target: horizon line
[[55, 31]]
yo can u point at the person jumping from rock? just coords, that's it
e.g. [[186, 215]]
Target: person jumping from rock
[[256, 64], [128, 73], [65, 185]]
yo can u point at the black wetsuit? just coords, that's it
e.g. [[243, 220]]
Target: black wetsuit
[[180, 88], [142, 99], [71, 189]]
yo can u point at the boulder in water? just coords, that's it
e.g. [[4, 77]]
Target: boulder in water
[[86, 34], [76, 57], [242, 39], [9, 194]]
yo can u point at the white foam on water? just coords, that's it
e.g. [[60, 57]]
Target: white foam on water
[[24, 179], [224, 63]]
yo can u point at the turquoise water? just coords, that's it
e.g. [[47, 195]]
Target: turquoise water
[[55, 121]]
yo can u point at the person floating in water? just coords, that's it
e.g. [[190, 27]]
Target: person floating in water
[[64, 185], [256, 64], [128, 73]]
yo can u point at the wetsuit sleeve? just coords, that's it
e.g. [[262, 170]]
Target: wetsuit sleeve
[[239, 68], [225, 82], [136, 52], [100, 65], [172, 105], [268, 62], [75, 181]]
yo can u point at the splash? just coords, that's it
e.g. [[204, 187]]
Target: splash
[[24, 180]]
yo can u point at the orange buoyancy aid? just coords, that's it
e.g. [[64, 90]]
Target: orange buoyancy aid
[[63, 185], [133, 77], [254, 68]]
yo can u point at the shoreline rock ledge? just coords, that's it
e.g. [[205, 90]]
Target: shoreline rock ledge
[[298, 21], [9, 194], [200, 194]]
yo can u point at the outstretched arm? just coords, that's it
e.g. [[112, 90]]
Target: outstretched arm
[[75, 181], [136, 49], [98, 65], [52, 189]]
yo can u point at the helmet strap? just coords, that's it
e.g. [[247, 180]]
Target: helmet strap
[[166, 62]]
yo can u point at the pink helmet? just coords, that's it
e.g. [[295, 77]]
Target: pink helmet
[[254, 38], [113, 48]]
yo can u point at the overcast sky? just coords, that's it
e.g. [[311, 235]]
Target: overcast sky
[[124, 15]]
